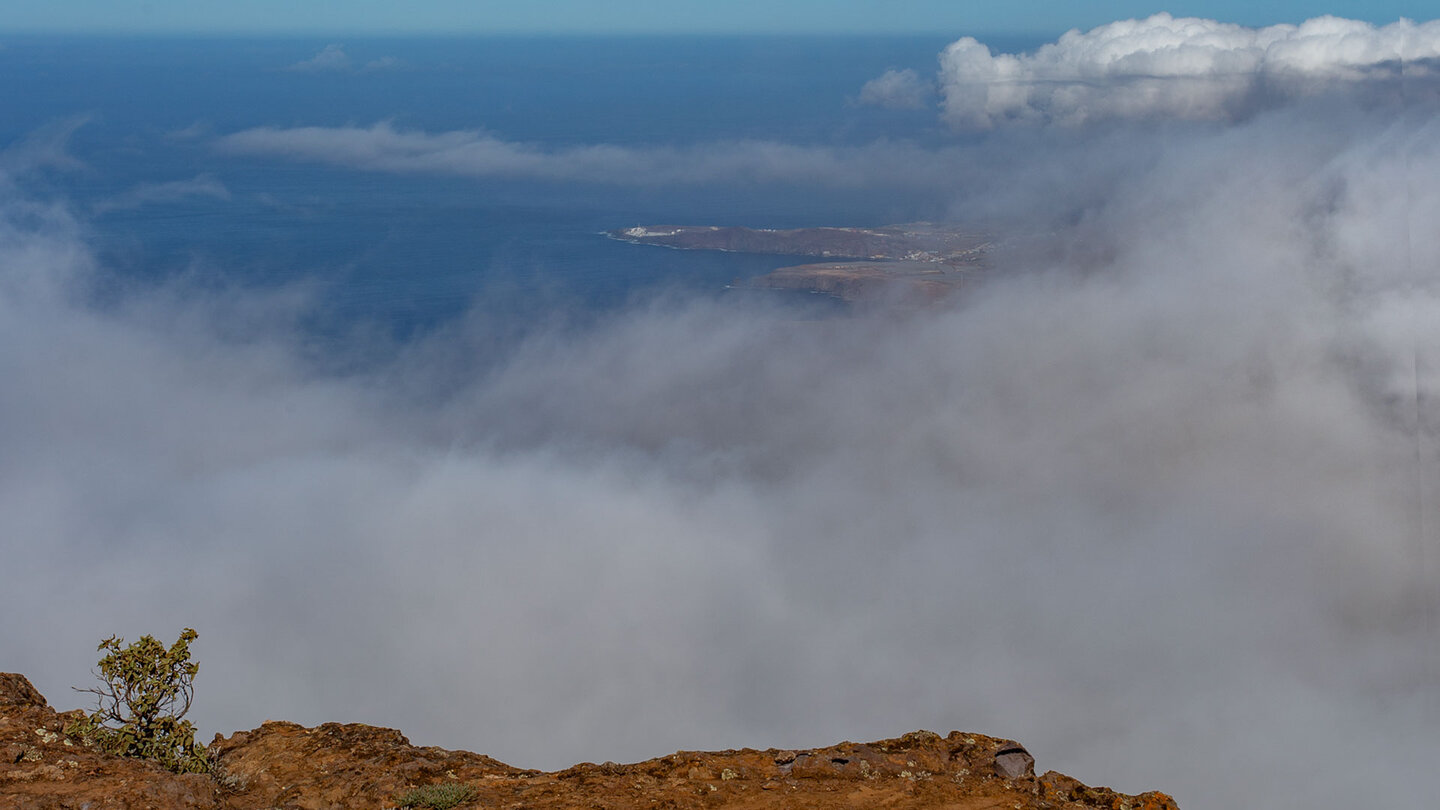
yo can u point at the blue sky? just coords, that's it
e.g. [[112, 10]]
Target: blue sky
[[656, 16]]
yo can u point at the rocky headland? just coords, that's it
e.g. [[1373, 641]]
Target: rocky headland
[[913, 262], [288, 767]]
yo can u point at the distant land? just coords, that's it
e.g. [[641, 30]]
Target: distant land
[[913, 262]]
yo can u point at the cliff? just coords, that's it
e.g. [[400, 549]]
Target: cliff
[[283, 765]]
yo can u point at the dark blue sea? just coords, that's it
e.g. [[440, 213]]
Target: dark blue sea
[[409, 250]]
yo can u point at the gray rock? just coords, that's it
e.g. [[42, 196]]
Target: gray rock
[[1014, 762]]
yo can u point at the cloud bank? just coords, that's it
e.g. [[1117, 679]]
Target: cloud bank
[[474, 153], [1185, 68]]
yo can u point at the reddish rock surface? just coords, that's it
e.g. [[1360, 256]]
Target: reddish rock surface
[[41, 768], [283, 765]]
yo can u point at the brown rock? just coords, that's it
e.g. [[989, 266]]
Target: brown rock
[[16, 690], [283, 765], [335, 765]]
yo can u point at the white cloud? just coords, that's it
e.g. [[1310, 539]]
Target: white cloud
[[382, 147], [1166, 67], [197, 129], [201, 185], [333, 59], [44, 148], [896, 90], [330, 58]]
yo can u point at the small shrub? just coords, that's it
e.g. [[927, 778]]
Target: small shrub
[[145, 692], [437, 797]]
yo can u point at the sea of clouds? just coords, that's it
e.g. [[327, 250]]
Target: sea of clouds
[[1157, 499]]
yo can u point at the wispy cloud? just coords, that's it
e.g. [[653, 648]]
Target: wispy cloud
[[330, 58], [201, 185], [44, 148], [474, 153], [198, 129], [334, 59]]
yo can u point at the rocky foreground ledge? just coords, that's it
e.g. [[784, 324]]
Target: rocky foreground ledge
[[283, 765]]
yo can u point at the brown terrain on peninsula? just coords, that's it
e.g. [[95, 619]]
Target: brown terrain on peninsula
[[289, 767], [917, 262]]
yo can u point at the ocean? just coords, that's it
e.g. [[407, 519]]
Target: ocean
[[409, 250]]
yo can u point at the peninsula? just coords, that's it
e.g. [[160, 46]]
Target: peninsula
[[912, 262]]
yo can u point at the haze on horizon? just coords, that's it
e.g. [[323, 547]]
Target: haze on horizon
[[1158, 500], [459, 17]]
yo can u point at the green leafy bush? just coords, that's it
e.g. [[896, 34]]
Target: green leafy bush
[[145, 692], [437, 797]]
